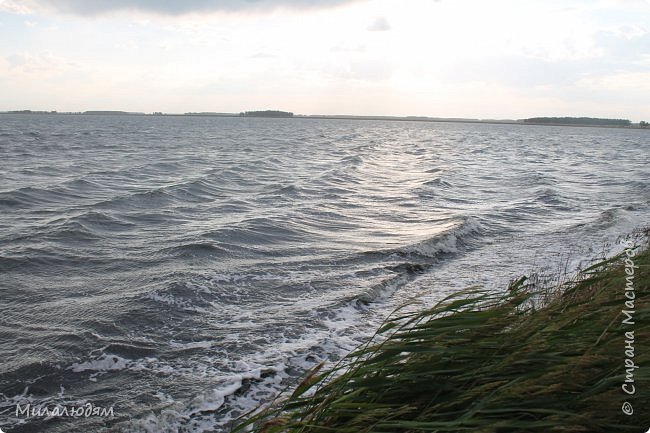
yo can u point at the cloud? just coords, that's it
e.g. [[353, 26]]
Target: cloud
[[380, 24], [41, 64], [371, 70], [13, 7], [262, 55], [165, 7], [348, 48], [624, 81]]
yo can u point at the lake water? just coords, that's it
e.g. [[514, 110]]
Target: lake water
[[181, 270]]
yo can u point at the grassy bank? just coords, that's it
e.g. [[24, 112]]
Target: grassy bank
[[533, 360]]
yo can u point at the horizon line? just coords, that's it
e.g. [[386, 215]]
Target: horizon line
[[322, 116]]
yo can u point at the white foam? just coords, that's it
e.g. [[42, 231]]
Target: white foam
[[205, 412], [180, 303], [192, 345], [215, 398], [103, 363]]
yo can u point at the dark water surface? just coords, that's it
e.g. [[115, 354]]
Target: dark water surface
[[182, 270]]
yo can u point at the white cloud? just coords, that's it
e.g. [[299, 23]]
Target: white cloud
[[171, 7], [14, 7], [38, 63], [638, 82], [380, 24], [630, 32], [345, 47]]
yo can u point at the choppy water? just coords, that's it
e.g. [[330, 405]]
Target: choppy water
[[182, 270]]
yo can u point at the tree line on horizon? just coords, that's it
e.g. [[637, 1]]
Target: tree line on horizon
[[266, 113], [579, 121]]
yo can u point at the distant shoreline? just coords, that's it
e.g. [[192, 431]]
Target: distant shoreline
[[324, 117]]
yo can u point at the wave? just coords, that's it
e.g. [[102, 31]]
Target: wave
[[552, 197], [458, 236], [195, 191], [449, 241], [101, 221], [537, 178], [152, 199], [256, 232], [281, 190], [437, 182], [236, 206], [74, 190], [195, 250], [82, 184], [608, 218], [27, 197], [188, 192], [352, 160], [46, 372], [406, 272], [7, 201], [73, 232], [62, 229], [32, 261]]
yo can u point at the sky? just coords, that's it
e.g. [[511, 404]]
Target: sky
[[501, 59]]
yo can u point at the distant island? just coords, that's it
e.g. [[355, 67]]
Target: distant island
[[91, 112], [582, 121], [30, 112], [266, 113]]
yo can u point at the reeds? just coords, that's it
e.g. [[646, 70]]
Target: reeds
[[482, 362]]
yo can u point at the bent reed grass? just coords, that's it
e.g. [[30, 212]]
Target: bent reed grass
[[531, 360]]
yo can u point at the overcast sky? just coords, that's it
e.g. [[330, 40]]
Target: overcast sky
[[446, 58]]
